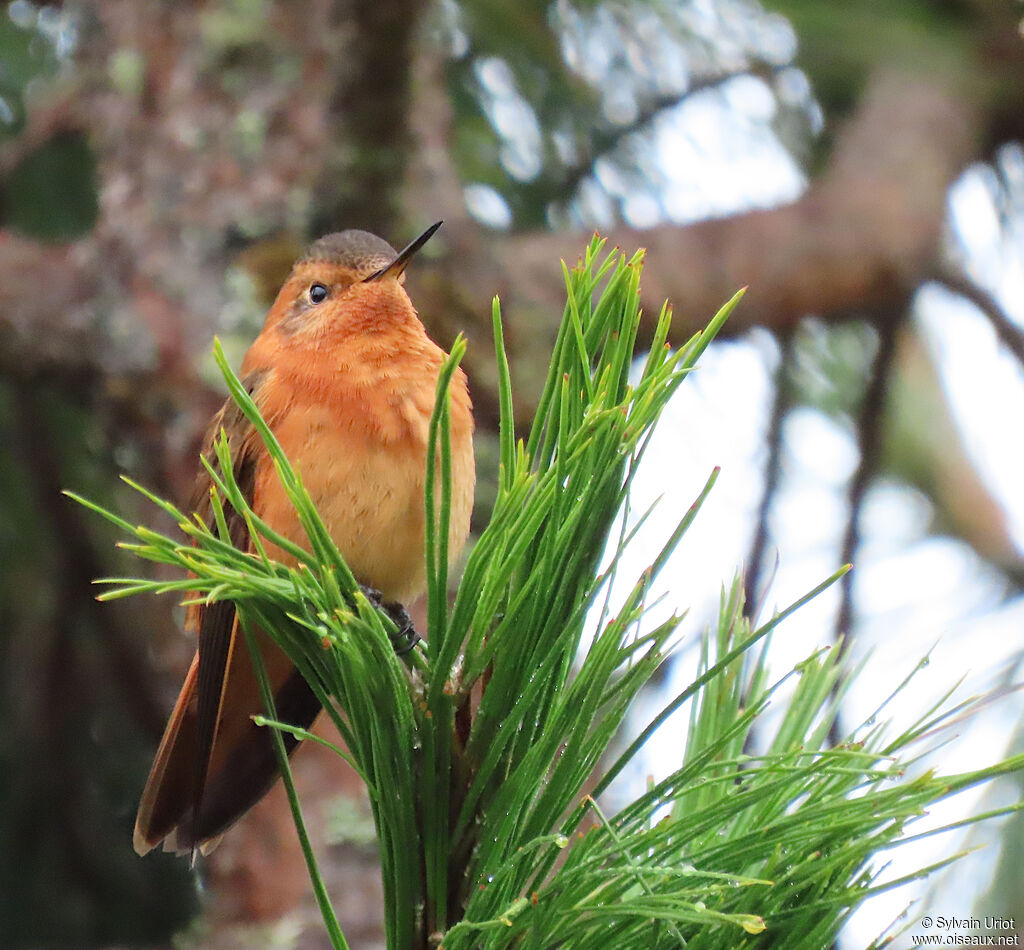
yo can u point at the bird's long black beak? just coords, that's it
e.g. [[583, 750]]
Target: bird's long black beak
[[399, 264]]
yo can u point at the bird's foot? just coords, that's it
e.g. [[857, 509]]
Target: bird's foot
[[407, 637]]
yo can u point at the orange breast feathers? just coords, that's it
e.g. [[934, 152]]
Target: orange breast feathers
[[350, 403]]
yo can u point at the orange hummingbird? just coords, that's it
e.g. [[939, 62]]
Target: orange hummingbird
[[345, 375]]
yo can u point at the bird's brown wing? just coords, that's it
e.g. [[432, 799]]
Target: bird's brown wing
[[214, 763]]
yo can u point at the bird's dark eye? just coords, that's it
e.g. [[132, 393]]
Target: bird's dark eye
[[318, 293]]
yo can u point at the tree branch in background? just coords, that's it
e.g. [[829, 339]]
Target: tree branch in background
[[926, 450], [781, 404], [863, 233], [1009, 333], [606, 140], [863, 236], [870, 438], [369, 115], [433, 187]]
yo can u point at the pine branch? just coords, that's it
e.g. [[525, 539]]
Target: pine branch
[[487, 835]]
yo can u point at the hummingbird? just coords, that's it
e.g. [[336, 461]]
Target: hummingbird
[[345, 375]]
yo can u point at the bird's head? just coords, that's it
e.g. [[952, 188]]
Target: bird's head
[[350, 279]]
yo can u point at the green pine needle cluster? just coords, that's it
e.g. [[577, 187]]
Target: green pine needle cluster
[[486, 750]]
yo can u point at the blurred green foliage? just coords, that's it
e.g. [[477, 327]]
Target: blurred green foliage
[[25, 55], [51, 194]]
